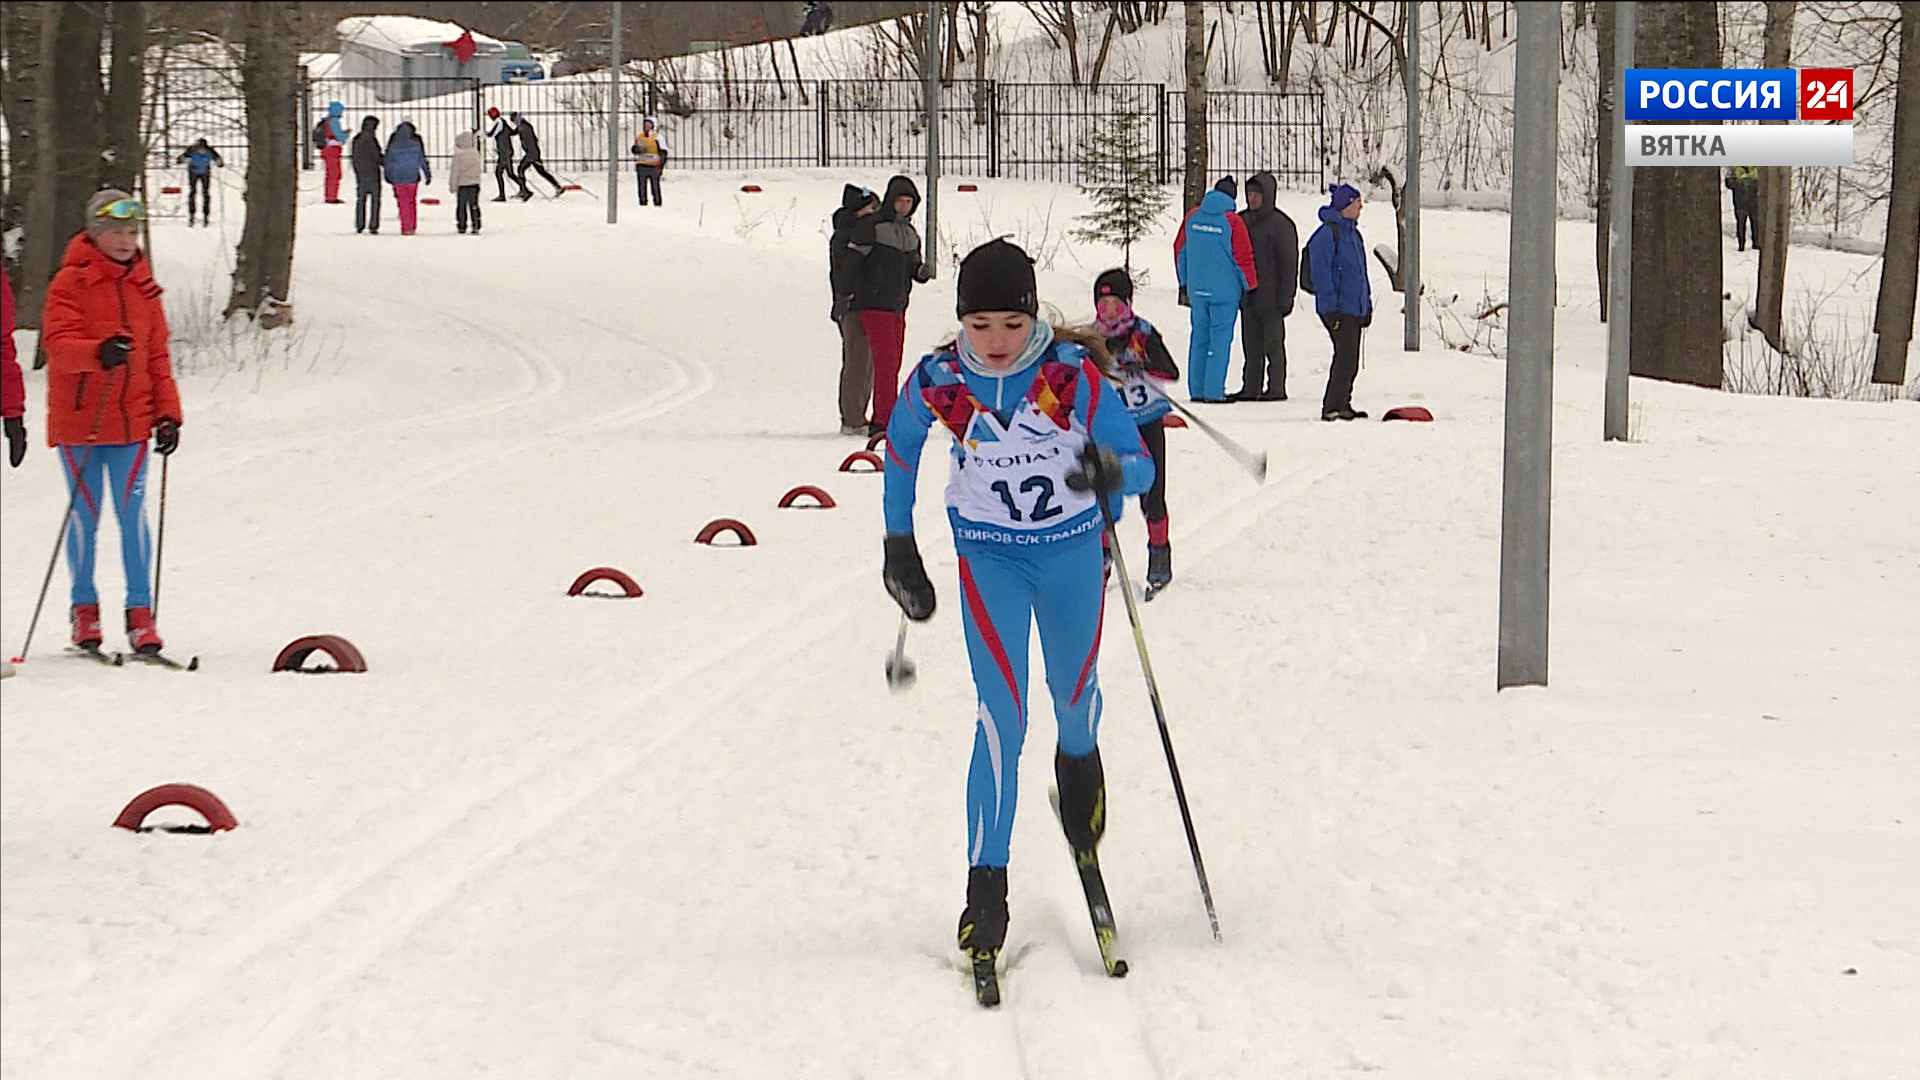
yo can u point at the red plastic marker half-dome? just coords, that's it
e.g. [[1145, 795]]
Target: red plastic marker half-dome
[[195, 798], [169, 190], [874, 440], [750, 188], [719, 525], [627, 585], [1407, 412], [429, 201], [1174, 421], [968, 187], [821, 500], [860, 457], [345, 656]]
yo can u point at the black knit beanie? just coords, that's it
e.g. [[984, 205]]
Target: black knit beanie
[[997, 276], [1228, 185], [1114, 283]]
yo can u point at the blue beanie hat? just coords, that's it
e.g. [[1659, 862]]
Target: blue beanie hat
[[1343, 196]]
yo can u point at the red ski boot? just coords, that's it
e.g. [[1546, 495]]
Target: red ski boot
[[140, 631], [86, 626]]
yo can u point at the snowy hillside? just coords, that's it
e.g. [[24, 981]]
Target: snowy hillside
[[692, 834]]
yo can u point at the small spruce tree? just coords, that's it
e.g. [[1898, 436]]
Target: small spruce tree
[[1119, 174]]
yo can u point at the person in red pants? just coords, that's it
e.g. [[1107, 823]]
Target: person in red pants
[[883, 253], [330, 138]]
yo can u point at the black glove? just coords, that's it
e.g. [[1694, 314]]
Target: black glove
[[1366, 320], [906, 578], [166, 436], [16, 441], [114, 351], [1182, 299], [923, 273], [842, 305], [1099, 471]]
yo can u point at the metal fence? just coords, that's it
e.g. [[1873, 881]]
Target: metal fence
[[1033, 131]]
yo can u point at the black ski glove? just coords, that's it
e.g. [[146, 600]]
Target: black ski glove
[[16, 441], [1099, 471], [114, 351], [166, 436], [923, 273], [1182, 298], [842, 307], [906, 578]]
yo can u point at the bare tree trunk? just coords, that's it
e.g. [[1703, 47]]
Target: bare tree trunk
[[1677, 272], [269, 77], [1775, 194], [29, 32], [1195, 185], [1106, 40], [978, 13], [1069, 32], [1290, 22], [124, 158], [1603, 152], [1900, 269], [71, 161]]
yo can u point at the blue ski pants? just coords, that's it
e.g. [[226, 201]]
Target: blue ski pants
[[1061, 589], [1210, 346], [93, 471]]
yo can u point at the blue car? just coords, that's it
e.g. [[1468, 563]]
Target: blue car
[[518, 65]]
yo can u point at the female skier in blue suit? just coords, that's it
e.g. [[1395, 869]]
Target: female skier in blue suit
[[1039, 435]]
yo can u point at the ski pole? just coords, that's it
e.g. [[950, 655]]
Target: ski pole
[[160, 540], [1159, 716], [66, 519], [1255, 464]]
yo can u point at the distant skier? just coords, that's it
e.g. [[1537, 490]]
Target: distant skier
[[1213, 258], [200, 158], [1342, 295], [330, 138], [1039, 436], [530, 156], [407, 168], [500, 130], [367, 161], [649, 157], [1140, 361], [109, 387], [1744, 182], [463, 176]]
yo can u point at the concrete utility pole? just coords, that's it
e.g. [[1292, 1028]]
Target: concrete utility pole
[[613, 123], [1525, 497], [1620, 244], [931, 69], [1410, 258]]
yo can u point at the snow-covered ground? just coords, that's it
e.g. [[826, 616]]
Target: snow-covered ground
[[693, 834]]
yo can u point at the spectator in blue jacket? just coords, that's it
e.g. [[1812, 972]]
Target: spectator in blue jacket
[[200, 158], [1213, 258], [407, 167], [1337, 263]]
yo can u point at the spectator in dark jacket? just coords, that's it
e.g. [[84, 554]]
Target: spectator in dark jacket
[[1744, 182], [888, 247], [530, 157], [1264, 309], [368, 160], [856, 358], [1337, 262]]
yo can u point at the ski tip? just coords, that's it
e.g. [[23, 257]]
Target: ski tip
[[193, 664], [1118, 970]]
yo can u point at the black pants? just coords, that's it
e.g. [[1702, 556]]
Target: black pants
[[366, 206], [1153, 504], [1263, 338], [648, 176], [1345, 331], [502, 170], [466, 204], [1745, 220], [534, 164], [202, 183]]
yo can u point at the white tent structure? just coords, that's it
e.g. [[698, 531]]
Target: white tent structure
[[402, 57]]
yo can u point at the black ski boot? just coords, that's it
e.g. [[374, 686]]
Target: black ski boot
[[1159, 568], [983, 929], [1083, 798]]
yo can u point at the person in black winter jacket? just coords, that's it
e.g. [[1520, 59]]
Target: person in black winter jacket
[[530, 157], [500, 130], [856, 357], [1263, 310], [368, 161], [889, 262]]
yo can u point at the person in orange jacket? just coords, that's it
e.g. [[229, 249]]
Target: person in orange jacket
[[109, 388]]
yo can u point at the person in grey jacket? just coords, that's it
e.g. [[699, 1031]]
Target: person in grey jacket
[[463, 176], [883, 263], [1264, 309]]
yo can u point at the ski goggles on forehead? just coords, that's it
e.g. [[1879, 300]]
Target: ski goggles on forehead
[[123, 210]]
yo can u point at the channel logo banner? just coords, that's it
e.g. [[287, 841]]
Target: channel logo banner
[[1666, 95], [1741, 144]]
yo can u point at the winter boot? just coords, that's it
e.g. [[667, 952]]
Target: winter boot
[[1083, 798], [140, 631], [1159, 566], [983, 925], [86, 626]]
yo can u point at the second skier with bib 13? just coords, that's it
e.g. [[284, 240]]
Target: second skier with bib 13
[[1039, 436]]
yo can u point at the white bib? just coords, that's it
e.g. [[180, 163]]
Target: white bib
[[1014, 476]]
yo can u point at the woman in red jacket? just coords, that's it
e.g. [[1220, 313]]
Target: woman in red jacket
[[109, 387]]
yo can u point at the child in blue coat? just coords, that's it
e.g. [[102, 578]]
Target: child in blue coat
[[1039, 436]]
